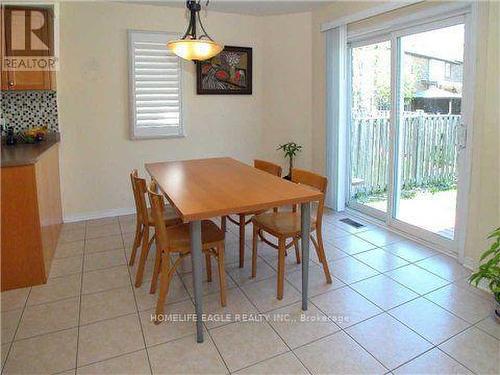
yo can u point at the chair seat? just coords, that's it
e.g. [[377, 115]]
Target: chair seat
[[281, 223], [178, 236], [169, 216]]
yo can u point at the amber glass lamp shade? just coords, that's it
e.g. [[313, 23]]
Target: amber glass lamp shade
[[194, 49]]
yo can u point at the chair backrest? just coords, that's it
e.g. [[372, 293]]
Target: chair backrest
[[268, 167], [157, 209], [315, 181], [139, 190]]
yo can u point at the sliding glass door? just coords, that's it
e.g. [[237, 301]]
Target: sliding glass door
[[370, 93], [429, 120], [406, 132]]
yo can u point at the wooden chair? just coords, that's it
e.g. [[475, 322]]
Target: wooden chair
[[176, 240], [284, 225], [265, 166], [143, 222]]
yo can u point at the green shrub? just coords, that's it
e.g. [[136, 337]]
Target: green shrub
[[489, 269]]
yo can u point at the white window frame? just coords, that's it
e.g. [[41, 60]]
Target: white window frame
[[137, 133], [443, 16], [447, 70]]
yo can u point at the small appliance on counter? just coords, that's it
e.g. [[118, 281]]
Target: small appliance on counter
[[10, 139]]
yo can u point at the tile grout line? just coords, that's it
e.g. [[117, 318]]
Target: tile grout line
[[15, 332], [384, 311], [345, 332], [453, 358], [70, 297], [281, 338], [47, 333], [261, 257], [361, 321], [135, 298], [110, 358], [413, 358], [272, 357], [348, 285], [80, 299], [366, 350], [426, 297], [387, 311], [475, 325], [191, 298]]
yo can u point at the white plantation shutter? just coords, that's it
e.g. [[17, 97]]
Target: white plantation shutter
[[155, 86]]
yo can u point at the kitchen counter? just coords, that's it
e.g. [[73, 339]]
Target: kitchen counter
[[31, 214], [26, 154]]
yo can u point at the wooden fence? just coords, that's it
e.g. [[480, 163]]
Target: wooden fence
[[428, 150]]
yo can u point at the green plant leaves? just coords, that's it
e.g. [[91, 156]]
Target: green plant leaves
[[490, 270], [290, 149]]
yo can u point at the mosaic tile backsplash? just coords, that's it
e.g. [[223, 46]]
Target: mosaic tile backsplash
[[26, 109]]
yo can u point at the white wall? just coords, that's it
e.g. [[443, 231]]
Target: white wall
[[97, 156], [484, 195], [287, 74]]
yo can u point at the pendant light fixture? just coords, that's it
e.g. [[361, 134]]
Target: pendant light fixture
[[192, 46]]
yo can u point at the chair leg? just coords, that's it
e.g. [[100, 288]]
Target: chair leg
[[146, 245], [156, 271], [242, 240], [254, 250], [281, 267], [137, 242], [297, 250], [222, 275], [166, 276], [321, 255], [223, 223], [208, 260]]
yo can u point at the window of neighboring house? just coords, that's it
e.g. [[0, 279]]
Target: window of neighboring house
[[447, 70], [155, 86]]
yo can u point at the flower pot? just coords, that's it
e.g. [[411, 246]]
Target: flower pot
[[289, 175]]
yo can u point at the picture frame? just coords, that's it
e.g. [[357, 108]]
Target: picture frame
[[228, 73]]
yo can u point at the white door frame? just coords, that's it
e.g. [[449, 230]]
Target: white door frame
[[469, 18], [365, 209]]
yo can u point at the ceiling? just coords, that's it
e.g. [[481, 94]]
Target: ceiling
[[256, 7]]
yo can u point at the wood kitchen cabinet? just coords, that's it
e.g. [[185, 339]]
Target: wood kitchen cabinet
[[14, 19], [31, 214]]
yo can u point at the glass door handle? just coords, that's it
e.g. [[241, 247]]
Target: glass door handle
[[462, 136]]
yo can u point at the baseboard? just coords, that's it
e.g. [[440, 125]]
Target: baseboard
[[469, 263], [98, 214]]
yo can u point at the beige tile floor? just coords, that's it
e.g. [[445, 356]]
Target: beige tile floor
[[394, 307]]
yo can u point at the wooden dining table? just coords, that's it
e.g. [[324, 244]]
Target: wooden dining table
[[206, 188]]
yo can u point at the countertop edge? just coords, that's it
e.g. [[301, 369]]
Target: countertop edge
[[26, 154]]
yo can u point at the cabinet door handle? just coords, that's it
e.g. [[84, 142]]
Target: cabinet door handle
[[11, 83]]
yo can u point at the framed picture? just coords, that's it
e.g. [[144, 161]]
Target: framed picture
[[228, 73]]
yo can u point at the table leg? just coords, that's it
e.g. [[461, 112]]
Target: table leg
[[195, 232], [242, 240], [305, 222]]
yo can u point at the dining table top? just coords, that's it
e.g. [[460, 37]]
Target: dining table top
[[205, 188]]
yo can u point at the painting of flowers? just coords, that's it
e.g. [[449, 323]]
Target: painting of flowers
[[228, 73]]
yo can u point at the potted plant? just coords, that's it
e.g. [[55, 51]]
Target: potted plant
[[489, 269], [290, 149]]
